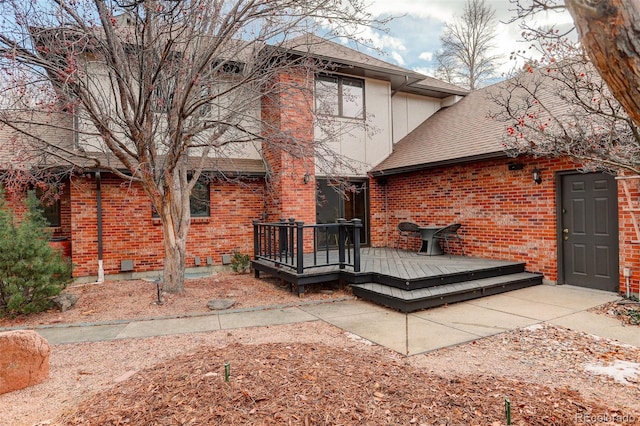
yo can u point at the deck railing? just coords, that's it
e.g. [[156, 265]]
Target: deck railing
[[293, 244]]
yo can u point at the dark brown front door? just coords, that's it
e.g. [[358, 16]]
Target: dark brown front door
[[589, 231]]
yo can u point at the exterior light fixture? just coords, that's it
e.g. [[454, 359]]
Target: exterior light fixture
[[306, 178], [536, 175]]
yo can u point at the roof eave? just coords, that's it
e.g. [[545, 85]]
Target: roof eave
[[436, 164]]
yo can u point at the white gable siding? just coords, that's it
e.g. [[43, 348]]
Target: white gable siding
[[389, 119], [365, 144], [409, 111]]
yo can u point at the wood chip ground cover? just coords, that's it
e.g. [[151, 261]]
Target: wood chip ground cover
[[314, 384]]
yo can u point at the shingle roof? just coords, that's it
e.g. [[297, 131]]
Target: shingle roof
[[227, 166], [454, 134], [19, 148], [435, 84], [16, 150], [358, 63]]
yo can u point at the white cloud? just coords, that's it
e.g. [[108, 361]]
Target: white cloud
[[426, 56], [424, 70], [398, 58], [439, 9]]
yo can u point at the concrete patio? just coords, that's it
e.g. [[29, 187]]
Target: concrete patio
[[408, 334]]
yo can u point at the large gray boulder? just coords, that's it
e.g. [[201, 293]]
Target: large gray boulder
[[65, 301], [220, 304]]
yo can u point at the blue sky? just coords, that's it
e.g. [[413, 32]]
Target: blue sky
[[414, 37]]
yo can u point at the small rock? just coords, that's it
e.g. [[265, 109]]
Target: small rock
[[125, 376], [65, 301], [326, 291], [219, 304]]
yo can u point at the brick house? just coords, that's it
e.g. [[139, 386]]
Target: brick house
[[575, 228], [107, 225], [434, 158]]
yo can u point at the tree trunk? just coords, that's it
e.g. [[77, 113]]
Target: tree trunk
[[175, 228], [175, 247], [610, 33]]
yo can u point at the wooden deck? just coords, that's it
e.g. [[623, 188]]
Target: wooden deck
[[406, 280]]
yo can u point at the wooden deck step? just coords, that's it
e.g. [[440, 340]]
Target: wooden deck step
[[423, 298]]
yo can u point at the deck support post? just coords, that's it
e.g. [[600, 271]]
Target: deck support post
[[341, 240], [291, 238], [299, 247], [357, 226], [256, 238]]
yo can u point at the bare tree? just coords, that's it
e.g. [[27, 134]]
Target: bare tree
[[608, 33], [465, 57], [566, 110], [157, 91], [558, 104]]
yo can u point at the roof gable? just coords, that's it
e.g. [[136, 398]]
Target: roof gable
[[461, 132]]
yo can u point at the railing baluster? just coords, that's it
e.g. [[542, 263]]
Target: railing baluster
[[282, 239], [283, 243], [326, 244], [315, 245]]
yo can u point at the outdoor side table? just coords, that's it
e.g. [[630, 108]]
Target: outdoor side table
[[429, 245]]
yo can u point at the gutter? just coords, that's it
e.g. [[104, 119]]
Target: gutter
[[427, 166]]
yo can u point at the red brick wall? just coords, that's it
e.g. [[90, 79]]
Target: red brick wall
[[505, 215], [16, 203], [287, 113], [130, 232], [629, 238], [65, 213]]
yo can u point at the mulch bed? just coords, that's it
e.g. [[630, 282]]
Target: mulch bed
[[627, 311], [313, 384]]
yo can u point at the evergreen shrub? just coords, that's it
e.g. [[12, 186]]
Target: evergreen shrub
[[31, 271]]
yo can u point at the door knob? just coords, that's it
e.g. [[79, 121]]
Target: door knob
[[565, 231]]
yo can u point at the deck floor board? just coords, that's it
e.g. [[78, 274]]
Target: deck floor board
[[402, 264]]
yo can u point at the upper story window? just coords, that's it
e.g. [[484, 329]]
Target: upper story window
[[340, 96], [229, 68], [162, 97]]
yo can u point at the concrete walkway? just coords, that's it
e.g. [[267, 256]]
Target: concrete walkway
[[408, 334]]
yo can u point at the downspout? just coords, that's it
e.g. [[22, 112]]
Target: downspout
[[99, 217]]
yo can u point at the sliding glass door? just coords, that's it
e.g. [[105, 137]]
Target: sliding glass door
[[348, 200]]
